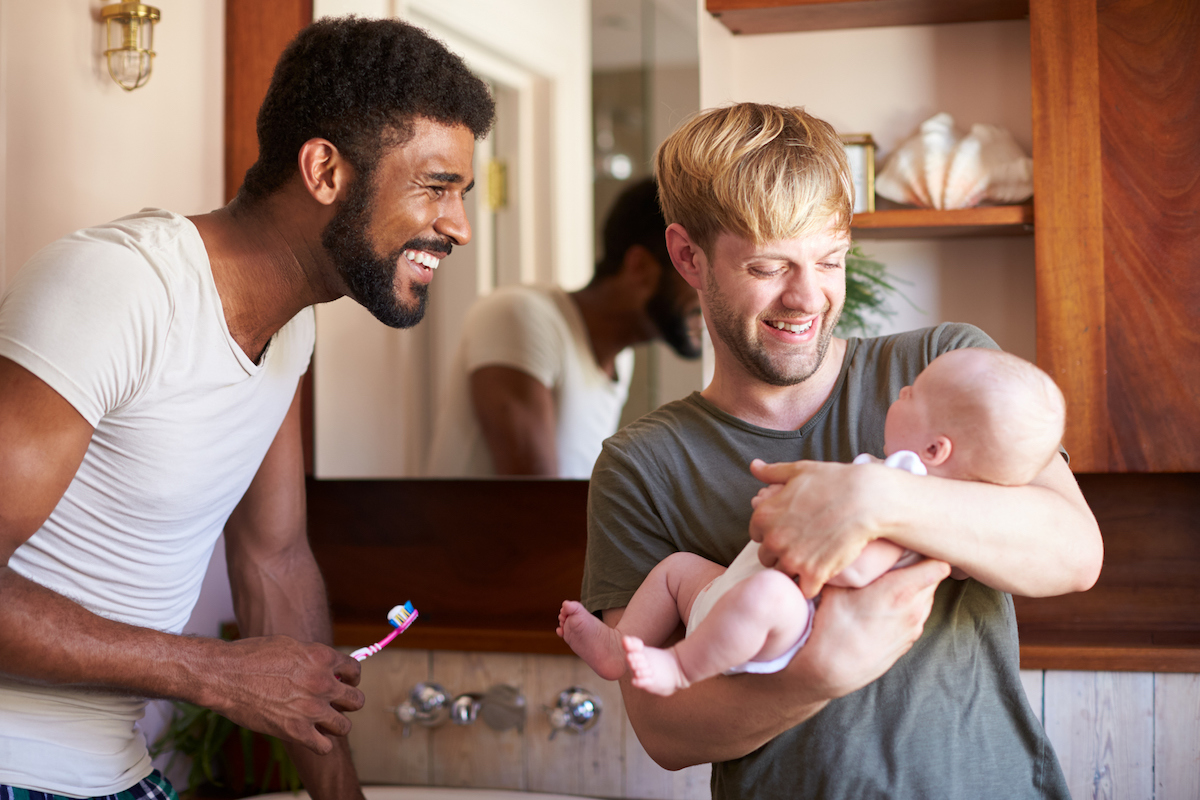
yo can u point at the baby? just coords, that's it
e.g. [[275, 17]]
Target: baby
[[972, 414]]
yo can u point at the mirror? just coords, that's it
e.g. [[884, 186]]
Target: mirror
[[572, 131]]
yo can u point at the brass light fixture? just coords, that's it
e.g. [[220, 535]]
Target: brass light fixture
[[130, 35]]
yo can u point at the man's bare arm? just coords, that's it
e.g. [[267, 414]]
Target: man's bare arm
[[858, 634], [278, 591], [47, 639], [516, 413], [1036, 540]]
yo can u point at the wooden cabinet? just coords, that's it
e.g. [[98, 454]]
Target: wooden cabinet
[[1116, 150], [1116, 120]]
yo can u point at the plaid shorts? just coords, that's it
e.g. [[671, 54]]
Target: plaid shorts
[[153, 787]]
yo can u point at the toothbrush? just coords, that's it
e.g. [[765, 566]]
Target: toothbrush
[[400, 617]]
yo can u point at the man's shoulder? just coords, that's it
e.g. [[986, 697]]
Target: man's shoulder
[[916, 348], [516, 307], [150, 248], [935, 340]]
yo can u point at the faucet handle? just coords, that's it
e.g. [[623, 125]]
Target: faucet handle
[[576, 710], [427, 705], [503, 707], [465, 708]]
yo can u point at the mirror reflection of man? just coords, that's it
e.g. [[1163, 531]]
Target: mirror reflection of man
[[148, 400], [541, 375]]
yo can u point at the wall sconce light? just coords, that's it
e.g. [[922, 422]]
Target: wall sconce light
[[130, 35]]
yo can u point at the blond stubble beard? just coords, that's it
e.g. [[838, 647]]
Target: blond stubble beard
[[753, 356]]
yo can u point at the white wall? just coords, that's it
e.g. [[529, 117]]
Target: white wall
[[78, 149], [886, 81]]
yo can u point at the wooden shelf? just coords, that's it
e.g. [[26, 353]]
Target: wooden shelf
[[931, 223], [785, 16]]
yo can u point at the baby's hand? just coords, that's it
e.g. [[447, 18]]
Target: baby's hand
[[764, 493]]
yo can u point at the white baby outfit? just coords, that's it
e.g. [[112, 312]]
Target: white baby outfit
[[747, 564]]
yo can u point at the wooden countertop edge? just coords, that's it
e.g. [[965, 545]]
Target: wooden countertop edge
[[1110, 659], [492, 640], [428, 637]]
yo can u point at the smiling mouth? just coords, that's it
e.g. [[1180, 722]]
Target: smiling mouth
[[423, 258], [791, 327]]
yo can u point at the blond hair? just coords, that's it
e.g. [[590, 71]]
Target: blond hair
[[1004, 415], [759, 171]]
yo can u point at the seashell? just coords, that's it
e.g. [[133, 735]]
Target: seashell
[[1009, 170], [936, 168]]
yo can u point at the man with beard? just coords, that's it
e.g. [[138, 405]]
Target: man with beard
[[759, 202], [149, 374], [541, 375]]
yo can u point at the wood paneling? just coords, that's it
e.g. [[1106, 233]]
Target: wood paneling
[[488, 563], [778, 16], [589, 764], [924, 223], [1141, 614], [1102, 727], [381, 751], [472, 555], [1116, 140], [1149, 70], [605, 761], [1177, 736], [1068, 218], [476, 755], [255, 35]]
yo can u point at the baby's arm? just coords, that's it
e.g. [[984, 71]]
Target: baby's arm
[[876, 558]]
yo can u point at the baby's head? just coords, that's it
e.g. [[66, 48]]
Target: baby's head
[[977, 414]]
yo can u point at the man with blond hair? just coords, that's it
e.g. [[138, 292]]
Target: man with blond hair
[[907, 687]]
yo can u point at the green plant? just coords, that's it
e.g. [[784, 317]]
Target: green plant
[[204, 736], [868, 285]]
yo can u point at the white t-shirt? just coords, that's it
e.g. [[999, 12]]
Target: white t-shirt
[[538, 330], [124, 321]]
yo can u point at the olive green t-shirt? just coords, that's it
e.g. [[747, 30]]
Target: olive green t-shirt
[[950, 719]]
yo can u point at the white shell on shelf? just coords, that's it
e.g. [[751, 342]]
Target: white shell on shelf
[[938, 168]]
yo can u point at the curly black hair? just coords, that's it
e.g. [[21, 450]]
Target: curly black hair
[[635, 218], [360, 83]]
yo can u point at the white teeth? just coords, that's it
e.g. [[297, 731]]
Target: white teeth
[[791, 327], [423, 258]]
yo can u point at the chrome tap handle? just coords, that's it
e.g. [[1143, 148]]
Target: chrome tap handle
[[465, 708], [427, 705], [576, 710]]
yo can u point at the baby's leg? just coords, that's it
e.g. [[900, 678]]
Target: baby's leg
[[876, 558], [653, 614], [593, 641], [756, 620]]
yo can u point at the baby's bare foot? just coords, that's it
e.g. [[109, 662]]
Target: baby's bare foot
[[593, 641], [654, 670]]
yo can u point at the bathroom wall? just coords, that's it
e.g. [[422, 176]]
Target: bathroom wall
[[1117, 734], [78, 149], [605, 761]]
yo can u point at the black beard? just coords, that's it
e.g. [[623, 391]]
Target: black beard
[[671, 323], [370, 278]]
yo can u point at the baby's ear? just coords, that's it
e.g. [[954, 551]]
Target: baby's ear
[[937, 452]]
